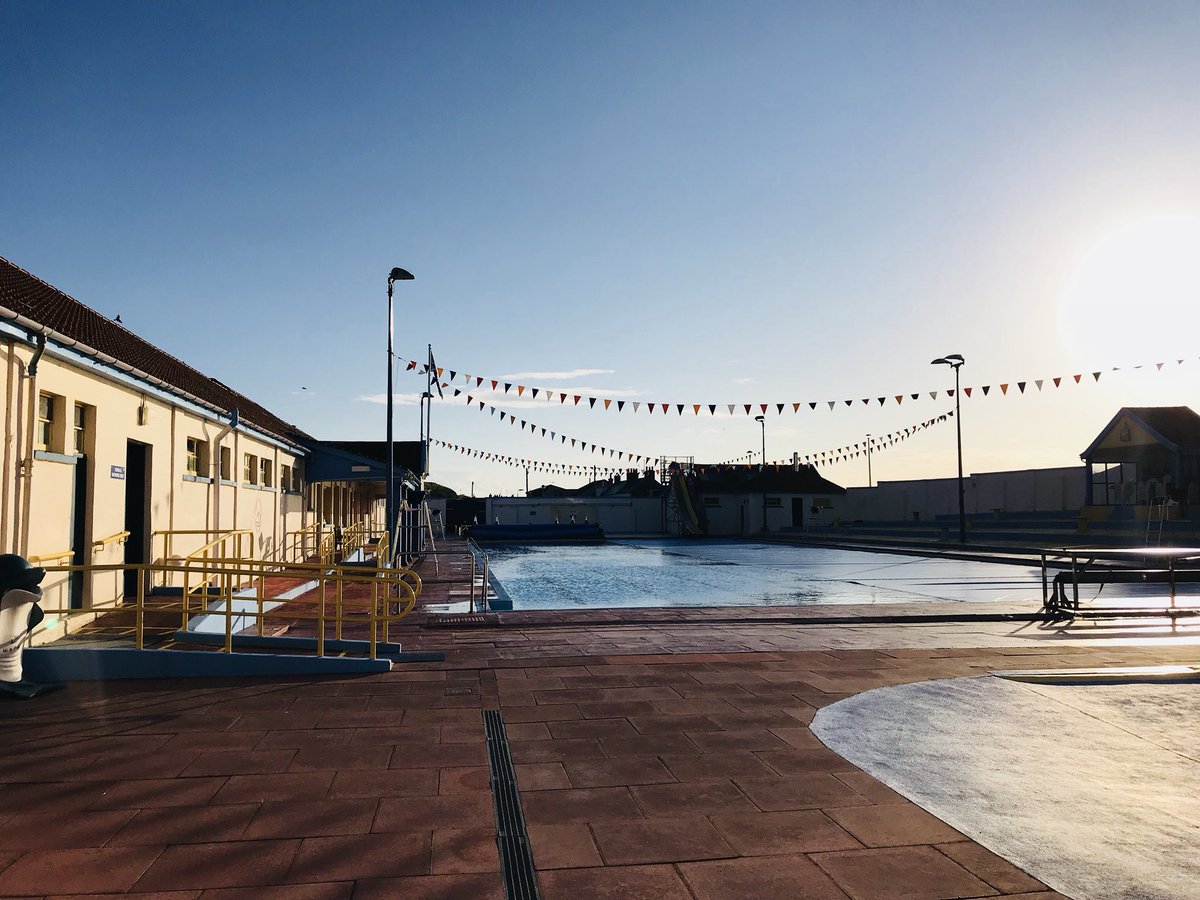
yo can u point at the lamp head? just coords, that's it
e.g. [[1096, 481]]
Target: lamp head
[[760, 418], [398, 274]]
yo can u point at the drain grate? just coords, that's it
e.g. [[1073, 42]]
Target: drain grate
[[460, 619], [516, 858]]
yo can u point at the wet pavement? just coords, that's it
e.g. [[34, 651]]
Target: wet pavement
[[657, 753], [1092, 788]]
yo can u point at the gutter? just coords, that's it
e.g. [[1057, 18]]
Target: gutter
[[42, 333]]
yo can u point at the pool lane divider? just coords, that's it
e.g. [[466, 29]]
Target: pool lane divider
[[512, 837]]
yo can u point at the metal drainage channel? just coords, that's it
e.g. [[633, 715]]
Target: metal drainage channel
[[516, 858]]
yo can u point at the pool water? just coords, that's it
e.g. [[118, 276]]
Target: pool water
[[657, 573]]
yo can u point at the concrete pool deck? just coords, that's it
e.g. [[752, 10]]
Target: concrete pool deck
[[654, 759]]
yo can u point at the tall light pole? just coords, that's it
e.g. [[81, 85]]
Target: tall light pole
[[869, 484], [955, 361], [389, 513], [762, 420]]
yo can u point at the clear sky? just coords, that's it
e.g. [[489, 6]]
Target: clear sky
[[701, 202]]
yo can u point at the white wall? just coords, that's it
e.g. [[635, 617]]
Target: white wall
[[616, 515], [1029, 490]]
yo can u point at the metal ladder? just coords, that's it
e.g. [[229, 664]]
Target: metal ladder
[[1155, 516]]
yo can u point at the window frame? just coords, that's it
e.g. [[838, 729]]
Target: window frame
[[249, 469]]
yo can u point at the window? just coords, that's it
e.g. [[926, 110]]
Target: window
[[267, 473], [226, 464], [83, 416], [712, 501], [197, 457], [285, 478], [48, 408], [250, 468], [297, 479], [774, 503]]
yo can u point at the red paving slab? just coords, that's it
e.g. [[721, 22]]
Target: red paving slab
[[653, 760]]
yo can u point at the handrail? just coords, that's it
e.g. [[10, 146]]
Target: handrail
[[50, 557], [476, 552], [296, 543], [383, 598], [203, 558], [168, 537], [119, 537]]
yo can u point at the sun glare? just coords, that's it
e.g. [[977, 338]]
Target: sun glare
[[1137, 292]]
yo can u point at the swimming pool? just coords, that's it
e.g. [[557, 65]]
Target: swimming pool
[[653, 573]]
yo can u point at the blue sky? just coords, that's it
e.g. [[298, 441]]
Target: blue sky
[[705, 202]]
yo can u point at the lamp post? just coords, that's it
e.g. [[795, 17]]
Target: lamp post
[[869, 484], [955, 361], [762, 420], [389, 513]]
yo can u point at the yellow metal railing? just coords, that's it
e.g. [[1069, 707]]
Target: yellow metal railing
[[300, 545], [119, 538], [203, 565], [237, 579], [364, 599], [51, 557]]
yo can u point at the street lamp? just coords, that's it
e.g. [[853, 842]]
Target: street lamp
[[869, 484], [762, 420], [389, 512], [955, 361]]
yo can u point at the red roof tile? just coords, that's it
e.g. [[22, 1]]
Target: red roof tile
[[29, 296]]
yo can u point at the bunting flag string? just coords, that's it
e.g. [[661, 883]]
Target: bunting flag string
[[1015, 387], [534, 465], [824, 458], [539, 431], [852, 451]]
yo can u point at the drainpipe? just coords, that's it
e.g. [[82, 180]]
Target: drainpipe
[[37, 354], [221, 435]]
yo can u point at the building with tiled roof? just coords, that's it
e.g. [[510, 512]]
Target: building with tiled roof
[[116, 452]]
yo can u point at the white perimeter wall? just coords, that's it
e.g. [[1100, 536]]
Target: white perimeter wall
[[616, 515], [1029, 490]]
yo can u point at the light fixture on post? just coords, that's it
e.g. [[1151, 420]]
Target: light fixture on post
[[389, 512], [762, 420], [955, 361], [869, 484]]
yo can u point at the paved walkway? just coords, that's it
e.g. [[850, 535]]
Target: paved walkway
[[653, 760]]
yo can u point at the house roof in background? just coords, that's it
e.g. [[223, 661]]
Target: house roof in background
[[1176, 427]]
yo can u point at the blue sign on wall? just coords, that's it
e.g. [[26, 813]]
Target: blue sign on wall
[[117, 472]]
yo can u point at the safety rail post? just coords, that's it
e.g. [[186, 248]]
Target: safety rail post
[[483, 588], [340, 597], [139, 613], [321, 616], [374, 628], [1045, 586]]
